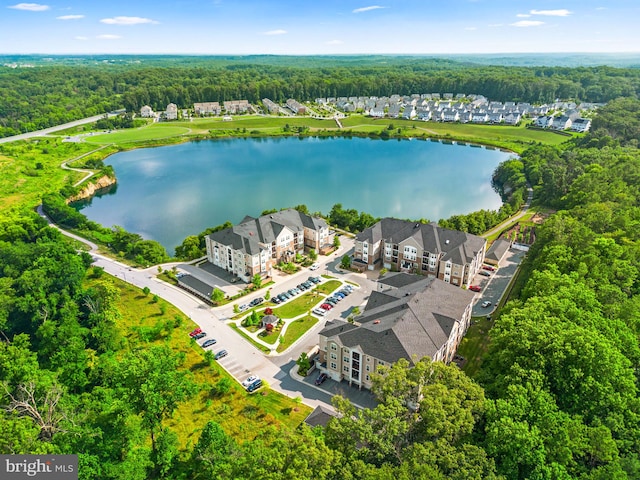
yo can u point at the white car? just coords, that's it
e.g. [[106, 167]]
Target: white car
[[486, 304], [319, 311], [315, 266], [249, 381]]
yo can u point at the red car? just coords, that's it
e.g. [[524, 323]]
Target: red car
[[195, 332], [475, 288], [489, 267], [326, 306]]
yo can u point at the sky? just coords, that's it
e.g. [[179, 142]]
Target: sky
[[308, 27]]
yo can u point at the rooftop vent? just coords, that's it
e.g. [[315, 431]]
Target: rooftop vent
[[447, 241], [417, 225]]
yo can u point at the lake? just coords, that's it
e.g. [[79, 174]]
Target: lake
[[167, 193]]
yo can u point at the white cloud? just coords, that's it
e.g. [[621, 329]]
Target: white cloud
[[470, 29], [366, 9], [523, 15], [527, 23], [552, 13], [334, 42], [108, 37], [70, 17], [81, 38], [32, 7], [126, 20], [496, 25], [275, 32]]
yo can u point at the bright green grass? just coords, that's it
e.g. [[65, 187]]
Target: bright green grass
[[474, 345], [295, 330], [298, 305], [251, 122], [249, 339], [142, 134], [328, 287], [242, 416]]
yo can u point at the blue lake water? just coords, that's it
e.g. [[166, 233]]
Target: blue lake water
[[167, 193]]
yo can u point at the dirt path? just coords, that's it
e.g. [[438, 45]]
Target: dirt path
[[88, 173]]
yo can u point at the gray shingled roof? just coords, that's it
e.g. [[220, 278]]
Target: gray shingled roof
[[249, 234], [405, 323], [460, 247], [498, 249], [199, 286], [319, 416]]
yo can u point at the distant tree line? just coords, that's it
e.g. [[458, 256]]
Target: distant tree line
[[41, 97]]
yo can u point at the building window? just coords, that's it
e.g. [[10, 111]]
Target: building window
[[334, 356], [333, 366], [345, 368], [367, 377], [381, 363], [334, 346], [345, 359], [368, 368]]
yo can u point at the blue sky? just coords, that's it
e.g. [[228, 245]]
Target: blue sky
[[318, 26]]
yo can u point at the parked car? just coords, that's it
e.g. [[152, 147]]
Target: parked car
[[254, 386], [287, 295], [243, 307], [308, 284], [200, 335], [301, 287], [486, 304], [208, 343], [315, 266], [326, 306], [484, 273], [276, 300], [331, 301], [475, 288], [249, 381], [319, 311], [489, 267], [315, 279], [256, 301], [221, 354], [321, 378], [195, 332]]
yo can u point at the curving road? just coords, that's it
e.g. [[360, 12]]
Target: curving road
[[244, 359]]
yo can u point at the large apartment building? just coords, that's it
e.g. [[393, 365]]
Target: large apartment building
[[408, 316], [427, 249], [255, 245]]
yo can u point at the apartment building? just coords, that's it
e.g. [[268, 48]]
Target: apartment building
[[207, 108], [407, 316], [255, 245], [426, 249]]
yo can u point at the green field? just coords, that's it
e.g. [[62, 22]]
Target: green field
[[143, 323], [154, 131]]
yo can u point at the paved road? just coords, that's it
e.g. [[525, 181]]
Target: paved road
[[46, 131], [514, 218]]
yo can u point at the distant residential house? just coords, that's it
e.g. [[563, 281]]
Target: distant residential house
[[561, 122], [171, 113], [236, 106], [407, 316], [319, 101], [464, 116], [448, 96], [581, 125], [423, 114], [460, 96], [409, 112], [512, 118], [497, 251], [272, 107], [147, 112], [406, 246], [296, 107], [480, 117], [495, 118], [376, 112], [435, 96], [207, 108], [269, 322], [394, 110], [543, 121], [450, 115], [255, 245]]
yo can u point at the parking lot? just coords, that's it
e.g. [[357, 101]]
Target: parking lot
[[494, 286]]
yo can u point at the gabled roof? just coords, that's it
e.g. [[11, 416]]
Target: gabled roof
[[253, 234], [320, 416], [409, 322], [498, 249]]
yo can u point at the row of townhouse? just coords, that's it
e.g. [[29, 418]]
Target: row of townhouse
[[255, 245], [407, 316], [563, 122], [452, 256], [201, 109], [296, 107]]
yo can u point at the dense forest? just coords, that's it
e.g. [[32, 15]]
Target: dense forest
[[556, 396], [35, 98]]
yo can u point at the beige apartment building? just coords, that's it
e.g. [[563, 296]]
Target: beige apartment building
[[427, 249], [408, 316], [255, 245]]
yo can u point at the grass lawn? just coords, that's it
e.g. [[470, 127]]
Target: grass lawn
[[474, 345], [144, 323], [299, 305], [249, 339], [295, 330], [328, 287], [146, 133]]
